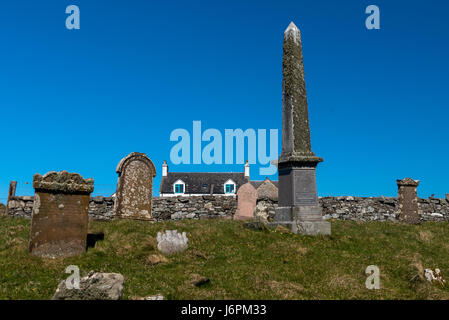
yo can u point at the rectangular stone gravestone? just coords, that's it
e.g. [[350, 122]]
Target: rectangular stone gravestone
[[408, 200], [60, 214]]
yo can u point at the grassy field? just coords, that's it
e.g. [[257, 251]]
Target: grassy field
[[240, 263]]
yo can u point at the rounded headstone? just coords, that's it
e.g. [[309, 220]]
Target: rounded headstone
[[135, 187], [246, 202]]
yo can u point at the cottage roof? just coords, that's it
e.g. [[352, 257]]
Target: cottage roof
[[201, 182]]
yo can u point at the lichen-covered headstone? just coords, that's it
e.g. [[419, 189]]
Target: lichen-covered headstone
[[246, 202], [135, 187], [408, 200], [60, 214]]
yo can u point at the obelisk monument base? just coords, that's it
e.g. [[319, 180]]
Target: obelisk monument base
[[298, 208], [296, 225]]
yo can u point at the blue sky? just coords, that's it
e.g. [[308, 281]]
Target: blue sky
[[80, 100]]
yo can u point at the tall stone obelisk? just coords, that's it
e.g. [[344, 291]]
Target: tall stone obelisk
[[298, 206]]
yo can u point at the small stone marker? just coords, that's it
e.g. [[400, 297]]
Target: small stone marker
[[154, 259], [60, 214], [246, 202], [198, 280], [172, 242], [408, 200], [434, 276], [135, 187]]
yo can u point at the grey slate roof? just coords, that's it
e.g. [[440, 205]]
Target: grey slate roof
[[200, 182]]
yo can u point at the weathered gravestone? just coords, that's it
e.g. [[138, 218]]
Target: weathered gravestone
[[408, 200], [267, 191], [246, 202], [267, 197], [298, 207], [60, 214], [135, 187], [11, 194]]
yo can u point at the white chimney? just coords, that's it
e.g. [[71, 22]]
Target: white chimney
[[247, 169], [164, 169]]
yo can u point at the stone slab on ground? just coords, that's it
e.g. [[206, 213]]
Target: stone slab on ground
[[95, 286]]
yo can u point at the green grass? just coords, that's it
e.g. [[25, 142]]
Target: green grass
[[241, 263]]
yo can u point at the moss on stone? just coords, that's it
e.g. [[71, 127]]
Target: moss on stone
[[63, 182]]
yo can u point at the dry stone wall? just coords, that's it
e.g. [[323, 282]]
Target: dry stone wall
[[20, 206], [201, 207], [101, 208], [164, 208], [380, 208], [176, 208]]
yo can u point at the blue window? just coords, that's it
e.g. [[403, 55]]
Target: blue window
[[179, 188], [229, 188]]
